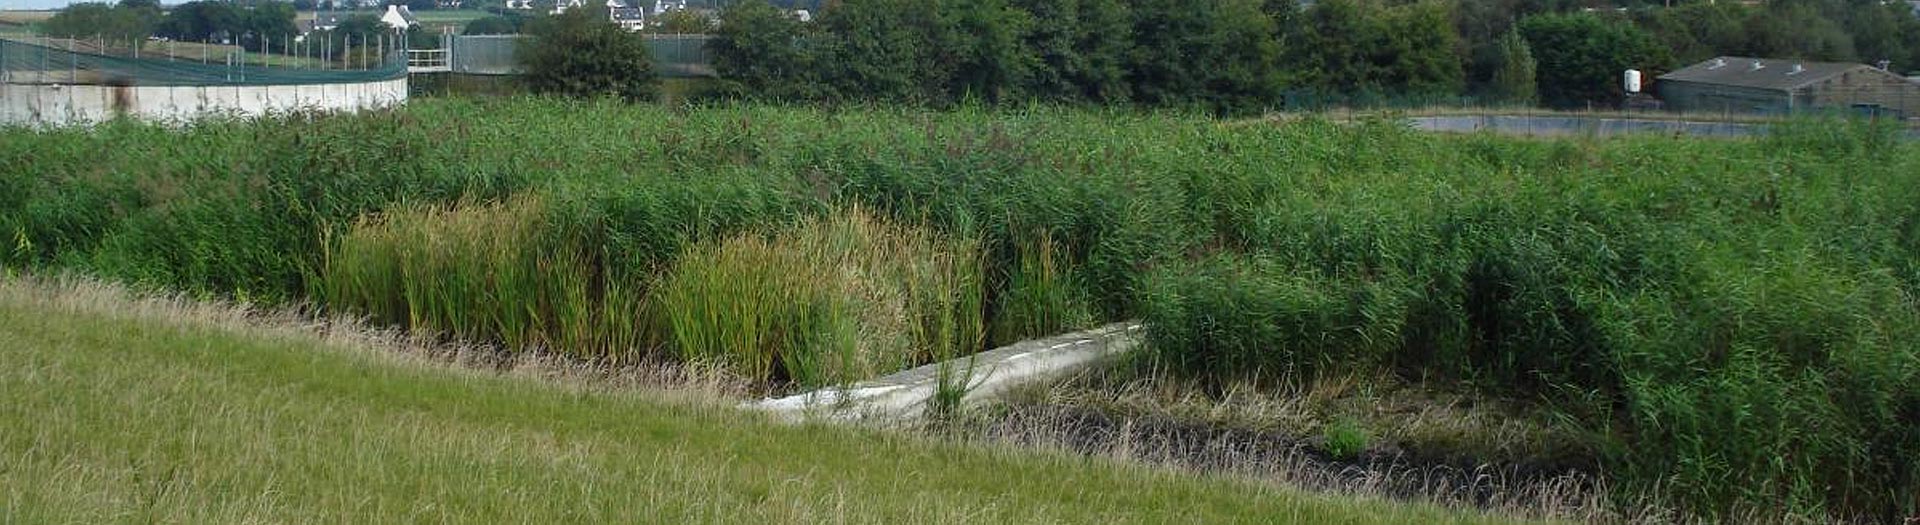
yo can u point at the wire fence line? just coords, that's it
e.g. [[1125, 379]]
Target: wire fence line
[[269, 60]]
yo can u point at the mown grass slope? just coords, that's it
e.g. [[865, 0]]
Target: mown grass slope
[[122, 410]]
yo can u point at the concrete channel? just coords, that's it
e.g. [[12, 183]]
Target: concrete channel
[[907, 395]]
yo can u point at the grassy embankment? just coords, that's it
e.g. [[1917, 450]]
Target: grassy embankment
[[119, 409], [1732, 321]]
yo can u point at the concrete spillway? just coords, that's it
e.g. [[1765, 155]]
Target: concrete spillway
[[907, 395]]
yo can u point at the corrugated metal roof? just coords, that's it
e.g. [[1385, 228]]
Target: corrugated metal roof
[[1782, 75]]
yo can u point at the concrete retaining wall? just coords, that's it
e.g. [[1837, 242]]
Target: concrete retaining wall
[[62, 105]]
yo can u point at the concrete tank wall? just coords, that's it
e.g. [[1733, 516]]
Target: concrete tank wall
[[61, 105]]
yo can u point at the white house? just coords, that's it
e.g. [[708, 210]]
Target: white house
[[661, 7], [628, 18], [627, 15], [399, 18], [320, 22], [562, 6]]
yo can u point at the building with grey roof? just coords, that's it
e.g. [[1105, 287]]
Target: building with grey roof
[[1771, 86]]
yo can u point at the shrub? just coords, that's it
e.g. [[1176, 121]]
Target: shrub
[[1345, 439], [582, 54]]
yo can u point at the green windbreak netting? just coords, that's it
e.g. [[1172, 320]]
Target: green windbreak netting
[[676, 56], [59, 61], [681, 55]]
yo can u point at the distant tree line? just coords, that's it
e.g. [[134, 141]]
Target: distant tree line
[[1246, 55], [252, 25], [247, 24], [128, 20]]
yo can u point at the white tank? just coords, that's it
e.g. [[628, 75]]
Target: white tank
[[1631, 80]]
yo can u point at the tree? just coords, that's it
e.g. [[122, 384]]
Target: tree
[[1581, 56], [1080, 52], [1327, 51], [1797, 30], [684, 21], [265, 22], [1420, 51], [90, 20], [1514, 81], [760, 49], [202, 21], [988, 50], [1409, 49], [882, 50], [1883, 32], [1217, 55], [580, 53], [1698, 31]]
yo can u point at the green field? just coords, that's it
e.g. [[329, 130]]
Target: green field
[[460, 16], [20, 23], [125, 410], [1730, 323], [25, 17], [434, 19]]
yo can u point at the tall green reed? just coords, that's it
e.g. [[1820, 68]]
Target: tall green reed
[[833, 299]]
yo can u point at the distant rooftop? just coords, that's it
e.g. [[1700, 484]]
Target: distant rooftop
[[1761, 73]]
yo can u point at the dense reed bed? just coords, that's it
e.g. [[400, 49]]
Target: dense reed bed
[[1734, 319], [833, 300]]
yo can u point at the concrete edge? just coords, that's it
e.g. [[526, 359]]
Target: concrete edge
[[905, 395]]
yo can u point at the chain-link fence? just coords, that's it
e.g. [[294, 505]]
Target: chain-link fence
[[284, 61]]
